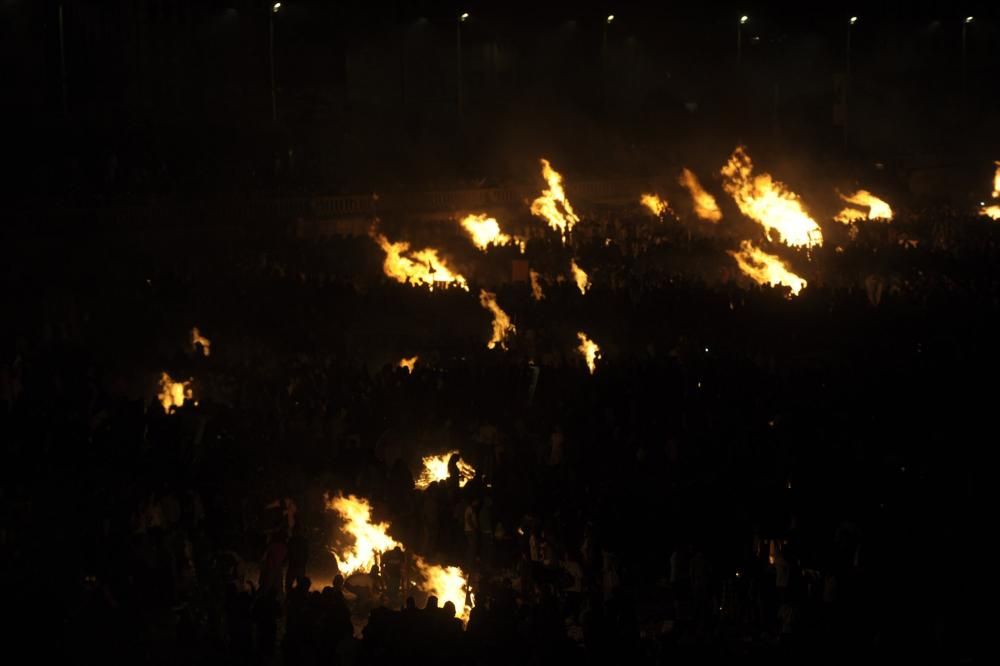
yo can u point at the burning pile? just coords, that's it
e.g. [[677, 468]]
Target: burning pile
[[172, 393], [422, 267], [993, 211], [655, 204], [408, 363], [591, 352], [446, 583], [580, 277], [705, 206], [198, 339], [553, 205], [501, 322], [485, 231], [764, 268], [536, 286], [769, 202], [436, 469], [369, 539], [877, 209]]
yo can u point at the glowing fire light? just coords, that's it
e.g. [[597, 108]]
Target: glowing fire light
[[173, 394], [198, 339], [446, 583], [408, 363], [419, 267], [992, 212], [769, 202], [764, 268], [436, 469], [553, 205], [370, 539], [705, 206], [501, 322], [877, 209], [591, 352], [996, 181], [580, 277], [536, 286], [654, 203], [485, 231]]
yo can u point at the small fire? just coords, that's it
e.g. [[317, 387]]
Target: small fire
[[370, 539], [877, 209], [764, 268], [173, 394], [992, 212], [591, 352], [769, 202], [446, 583], [654, 203], [536, 285], [501, 322], [408, 363], [996, 181], [705, 206], [485, 231], [436, 469], [580, 277], [419, 267], [553, 205], [198, 339]]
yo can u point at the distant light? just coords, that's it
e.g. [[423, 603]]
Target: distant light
[[276, 7], [706, 350], [969, 19], [464, 16], [744, 19], [854, 19], [611, 17]]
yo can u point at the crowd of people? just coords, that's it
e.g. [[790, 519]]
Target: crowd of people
[[745, 475]]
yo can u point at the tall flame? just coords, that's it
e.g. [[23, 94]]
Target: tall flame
[[654, 203], [553, 205], [705, 206], [369, 539], [996, 181], [419, 267], [173, 394], [992, 212], [408, 363], [877, 208], [198, 339], [591, 352], [436, 469], [769, 202], [501, 322], [446, 583], [580, 277], [485, 231], [536, 285], [764, 268]]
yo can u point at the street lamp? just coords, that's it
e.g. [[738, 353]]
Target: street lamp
[[965, 24], [462, 18], [270, 57], [847, 76], [739, 38], [611, 17]]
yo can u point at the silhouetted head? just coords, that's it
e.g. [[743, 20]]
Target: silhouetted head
[[449, 609], [411, 604], [432, 602], [338, 582]]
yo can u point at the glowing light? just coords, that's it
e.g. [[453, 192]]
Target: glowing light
[[464, 16], [369, 540], [501, 322], [591, 352], [854, 19], [877, 208], [408, 363], [611, 17], [446, 583], [422, 267], [580, 277], [536, 286], [654, 203], [275, 7], [173, 393], [705, 206], [764, 268], [198, 339], [485, 231], [436, 469], [552, 205], [744, 19]]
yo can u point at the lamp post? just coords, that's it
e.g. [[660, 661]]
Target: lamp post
[[270, 57], [965, 25], [62, 65], [604, 60], [739, 39], [847, 74], [462, 18]]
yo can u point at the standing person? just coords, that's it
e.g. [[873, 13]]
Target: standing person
[[392, 574], [298, 557], [471, 533], [272, 568]]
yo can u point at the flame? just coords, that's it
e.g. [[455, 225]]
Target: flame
[[764, 268], [420, 267], [501, 322], [446, 583], [436, 469], [654, 203], [591, 352], [408, 363], [553, 204], [996, 181], [877, 209], [769, 202], [370, 539], [198, 339], [173, 394], [705, 206], [485, 231], [580, 276], [849, 215], [536, 286], [992, 212]]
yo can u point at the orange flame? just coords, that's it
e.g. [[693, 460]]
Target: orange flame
[[370, 539], [173, 394], [654, 203], [408, 363], [420, 267], [553, 205], [436, 469], [877, 208], [198, 339], [580, 277], [591, 352], [705, 206], [764, 268], [996, 181], [536, 286], [485, 231], [446, 583], [992, 212], [501, 322], [769, 202]]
